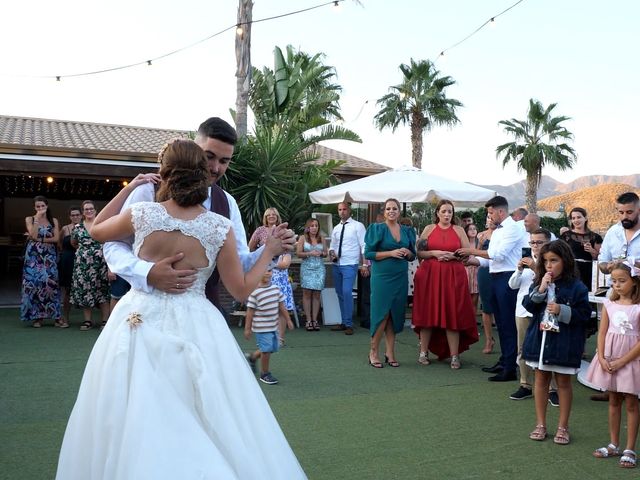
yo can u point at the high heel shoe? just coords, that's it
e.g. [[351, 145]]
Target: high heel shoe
[[316, 327], [308, 326], [391, 363], [423, 358], [488, 346], [375, 364], [455, 362]]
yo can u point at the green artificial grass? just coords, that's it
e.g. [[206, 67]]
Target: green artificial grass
[[343, 419]]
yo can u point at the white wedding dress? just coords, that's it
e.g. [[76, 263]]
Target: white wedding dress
[[167, 393]]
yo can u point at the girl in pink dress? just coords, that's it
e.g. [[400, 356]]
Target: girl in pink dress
[[617, 365]]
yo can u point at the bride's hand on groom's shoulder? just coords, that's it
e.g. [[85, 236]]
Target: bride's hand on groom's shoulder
[[143, 178]]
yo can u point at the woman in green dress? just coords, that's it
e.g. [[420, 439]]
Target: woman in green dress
[[390, 247]]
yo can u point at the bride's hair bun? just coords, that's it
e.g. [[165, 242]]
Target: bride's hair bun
[[184, 172]]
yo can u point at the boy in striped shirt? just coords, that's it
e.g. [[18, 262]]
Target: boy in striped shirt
[[264, 307]]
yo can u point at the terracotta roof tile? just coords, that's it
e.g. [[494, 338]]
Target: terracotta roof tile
[[351, 162], [85, 138]]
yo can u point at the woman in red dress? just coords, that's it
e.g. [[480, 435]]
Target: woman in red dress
[[443, 314]]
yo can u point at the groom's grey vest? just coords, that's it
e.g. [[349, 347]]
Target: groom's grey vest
[[219, 205]]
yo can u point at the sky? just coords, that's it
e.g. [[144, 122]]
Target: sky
[[580, 54]]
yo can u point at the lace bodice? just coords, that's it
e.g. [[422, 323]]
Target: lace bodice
[[209, 228]]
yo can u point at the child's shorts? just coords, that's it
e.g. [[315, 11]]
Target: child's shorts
[[119, 287], [267, 341]]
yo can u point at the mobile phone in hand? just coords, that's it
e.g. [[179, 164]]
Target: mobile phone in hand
[[526, 253]]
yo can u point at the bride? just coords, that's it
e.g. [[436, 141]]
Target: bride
[[167, 393]]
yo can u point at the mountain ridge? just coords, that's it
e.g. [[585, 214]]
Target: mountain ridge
[[550, 187]]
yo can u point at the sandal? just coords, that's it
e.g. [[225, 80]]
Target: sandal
[[86, 325], [488, 346], [391, 363], [423, 358], [455, 362], [628, 459], [539, 433], [37, 324], [316, 327], [308, 326], [61, 324], [605, 452], [562, 436], [376, 363]]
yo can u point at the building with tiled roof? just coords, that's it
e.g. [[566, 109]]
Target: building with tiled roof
[[39, 146]]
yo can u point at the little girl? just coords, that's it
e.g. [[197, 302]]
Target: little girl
[[617, 366], [550, 351]]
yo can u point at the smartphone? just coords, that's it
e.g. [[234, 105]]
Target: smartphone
[[526, 253]]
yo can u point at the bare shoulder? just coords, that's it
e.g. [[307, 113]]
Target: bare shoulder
[[427, 230]]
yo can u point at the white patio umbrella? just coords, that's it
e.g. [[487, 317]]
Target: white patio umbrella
[[406, 184]]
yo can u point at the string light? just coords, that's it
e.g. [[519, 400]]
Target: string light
[[49, 179], [491, 21], [239, 31], [125, 183]]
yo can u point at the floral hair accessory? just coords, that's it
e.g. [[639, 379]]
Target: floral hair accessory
[[164, 148], [134, 319], [630, 263]]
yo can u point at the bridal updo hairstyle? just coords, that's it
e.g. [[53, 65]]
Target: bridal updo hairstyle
[[184, 172]]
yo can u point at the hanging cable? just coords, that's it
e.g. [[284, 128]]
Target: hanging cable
[[235, 26]]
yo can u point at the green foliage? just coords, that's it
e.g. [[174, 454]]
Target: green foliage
[[539, 141], [294, 105], [419, 101], [273, 169], [553, 224]]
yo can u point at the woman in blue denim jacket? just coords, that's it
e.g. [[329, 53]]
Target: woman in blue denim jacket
[[559, 350]]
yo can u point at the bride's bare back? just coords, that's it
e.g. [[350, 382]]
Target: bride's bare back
[[161, 244]]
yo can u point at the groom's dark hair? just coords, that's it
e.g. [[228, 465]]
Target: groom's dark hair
[[218, 129]]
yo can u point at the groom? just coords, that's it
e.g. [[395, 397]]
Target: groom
[[217, 138]]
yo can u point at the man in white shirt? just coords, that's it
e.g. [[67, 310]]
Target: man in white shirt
[[622, 240], [217, 138], [502, 257], [346, 253]]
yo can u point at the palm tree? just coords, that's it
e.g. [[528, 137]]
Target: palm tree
[[298, 95], [539, 141], [419, 101]]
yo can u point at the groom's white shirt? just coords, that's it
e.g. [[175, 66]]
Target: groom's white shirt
[[121, 260]]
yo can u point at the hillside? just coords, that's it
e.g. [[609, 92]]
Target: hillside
[[598, 201], [550, 187]]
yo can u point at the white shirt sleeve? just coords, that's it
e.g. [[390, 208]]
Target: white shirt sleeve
[[247, 258], [119, 255], [605, 250], [515, 280], [333, 244], [511, 238], [483, 262]]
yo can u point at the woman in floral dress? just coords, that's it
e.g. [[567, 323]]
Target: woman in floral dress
[[89, 284], [40, 288], [312, 251]]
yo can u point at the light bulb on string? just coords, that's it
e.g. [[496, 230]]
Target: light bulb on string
[[49, 179], [125, 183], [239, 30], [336, 6], [492, 22]]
